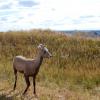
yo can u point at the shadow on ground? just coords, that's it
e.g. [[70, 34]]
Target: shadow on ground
[[7, 95], [4, 97], [14, 95]]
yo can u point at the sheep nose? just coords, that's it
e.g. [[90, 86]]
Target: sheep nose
[[51, 55]]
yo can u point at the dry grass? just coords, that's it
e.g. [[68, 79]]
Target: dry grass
[[45, 93], [73, 72]]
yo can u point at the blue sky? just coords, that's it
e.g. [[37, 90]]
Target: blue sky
[[49, 14]]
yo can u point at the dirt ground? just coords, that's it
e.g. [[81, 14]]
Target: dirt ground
[[45, 93]]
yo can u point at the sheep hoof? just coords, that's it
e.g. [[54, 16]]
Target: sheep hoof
[[23, 93], [35, 95]]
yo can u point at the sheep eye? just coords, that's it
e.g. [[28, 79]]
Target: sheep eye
[[44, 51]]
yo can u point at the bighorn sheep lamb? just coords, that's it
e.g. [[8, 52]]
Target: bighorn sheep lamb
[[29, 67]]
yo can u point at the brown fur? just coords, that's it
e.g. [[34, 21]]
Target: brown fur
[[29, 67]]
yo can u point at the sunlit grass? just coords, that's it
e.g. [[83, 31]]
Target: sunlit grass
[[75, 61]]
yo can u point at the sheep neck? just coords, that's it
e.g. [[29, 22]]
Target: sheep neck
[[39, 61]]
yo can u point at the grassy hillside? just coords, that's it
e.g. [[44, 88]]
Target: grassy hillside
[[75, 64]]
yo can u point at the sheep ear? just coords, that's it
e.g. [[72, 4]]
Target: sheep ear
[[41, 46]]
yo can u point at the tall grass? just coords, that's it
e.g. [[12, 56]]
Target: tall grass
[[75, 61]]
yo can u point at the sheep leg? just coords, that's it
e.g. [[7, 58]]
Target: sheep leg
[[15, 73], [34, 85], [27, 82]]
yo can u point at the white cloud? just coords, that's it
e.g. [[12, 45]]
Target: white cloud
[[54, 14]]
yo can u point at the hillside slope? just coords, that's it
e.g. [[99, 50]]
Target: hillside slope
[[74, 67]]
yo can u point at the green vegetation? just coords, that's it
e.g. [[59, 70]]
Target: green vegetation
[[75, 61]]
